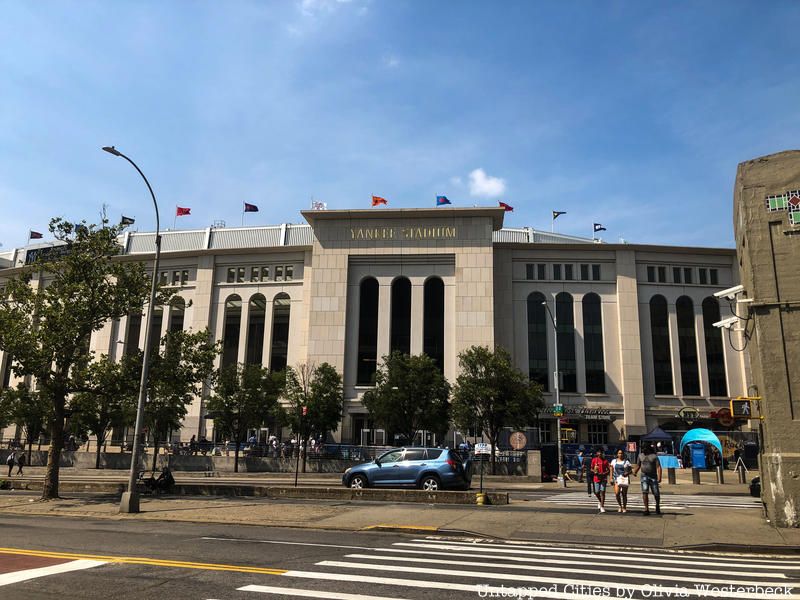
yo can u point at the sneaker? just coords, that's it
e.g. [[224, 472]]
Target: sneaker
[[658, 510], [602, 510], [619, 510], [624, 510]]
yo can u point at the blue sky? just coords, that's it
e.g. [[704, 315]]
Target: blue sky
[[630, 114]]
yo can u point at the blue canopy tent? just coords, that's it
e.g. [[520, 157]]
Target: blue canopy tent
[[656, 435], [701, 435]]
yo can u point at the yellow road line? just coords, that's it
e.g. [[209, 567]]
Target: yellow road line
[[411, 527], [138, 560]]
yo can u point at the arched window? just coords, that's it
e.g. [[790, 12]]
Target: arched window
[[565, 317], [662, 356], [155, 328], [687, 344], [367, 331], [537, 341], [255, 330], [230, 333], [715, 356], [433, 321], [400, 337], [177, 311], [593, 344], [281, 308], [133, 333]]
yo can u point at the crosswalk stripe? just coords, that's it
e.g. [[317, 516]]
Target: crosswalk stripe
[[66, 567], [641, 556], [265, 589], [719, 592], [602, 572], [580, 563]]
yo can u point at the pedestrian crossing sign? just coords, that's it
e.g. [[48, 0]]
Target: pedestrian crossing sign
[[741, 408]]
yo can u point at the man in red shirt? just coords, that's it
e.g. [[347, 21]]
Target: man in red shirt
[[600, 469]]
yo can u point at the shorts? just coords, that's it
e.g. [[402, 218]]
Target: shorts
[[599, 486], [650, 484]]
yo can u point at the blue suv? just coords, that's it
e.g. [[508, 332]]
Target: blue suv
[[429, 469]]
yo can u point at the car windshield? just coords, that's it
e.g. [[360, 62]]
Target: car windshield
[[391, 456]]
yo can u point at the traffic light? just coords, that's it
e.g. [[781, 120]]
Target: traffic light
[[741, 408]]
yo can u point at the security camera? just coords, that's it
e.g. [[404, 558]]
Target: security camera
[[727, 323], [730, 293]]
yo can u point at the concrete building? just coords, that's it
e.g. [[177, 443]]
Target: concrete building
[[636, 341], [767, 225]]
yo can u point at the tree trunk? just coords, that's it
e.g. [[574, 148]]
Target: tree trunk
[[155, 451], [100, 439], [30, 450], [50, 487], [493, 435], [236, 456], [304, 449]]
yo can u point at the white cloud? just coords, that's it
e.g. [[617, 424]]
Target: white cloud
[[481, 184]]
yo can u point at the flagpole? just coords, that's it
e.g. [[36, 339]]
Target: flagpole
[[243, 217], [175, 218]]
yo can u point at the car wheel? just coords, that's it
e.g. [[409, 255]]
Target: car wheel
[[430, 483], [358, 482]]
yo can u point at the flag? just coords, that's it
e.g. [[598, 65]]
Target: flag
[[182, 212], [598, 227], [250, 207], [442, 200], [378, 200], [34, 235], [126, 221], [558, 213], [506, 207]]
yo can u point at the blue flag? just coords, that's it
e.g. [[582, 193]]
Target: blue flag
[[441, 200]]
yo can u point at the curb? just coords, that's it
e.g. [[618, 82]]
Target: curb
[[740, 549]]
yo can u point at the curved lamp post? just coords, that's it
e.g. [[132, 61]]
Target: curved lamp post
[[130, 499], [562, 482]]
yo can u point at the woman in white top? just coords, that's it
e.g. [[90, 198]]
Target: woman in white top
[[621, 469]]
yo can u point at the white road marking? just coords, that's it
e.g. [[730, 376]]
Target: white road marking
[[265, 589], [719, 592], [66, 567], [219, 539]]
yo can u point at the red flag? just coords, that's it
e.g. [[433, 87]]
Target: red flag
[[182, 212], [34, 235], [507, 207], [250, 207], [378, 200]]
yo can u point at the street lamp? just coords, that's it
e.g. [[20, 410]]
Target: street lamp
[[561, 481], [130, 499]]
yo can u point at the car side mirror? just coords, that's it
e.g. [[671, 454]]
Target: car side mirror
[[377, 462]]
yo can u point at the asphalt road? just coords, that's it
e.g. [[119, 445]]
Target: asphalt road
[[78, 558]]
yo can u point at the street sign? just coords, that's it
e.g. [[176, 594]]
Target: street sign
[[518, 440], [483, 448], [688, 414], [741, 408], [558, 410]]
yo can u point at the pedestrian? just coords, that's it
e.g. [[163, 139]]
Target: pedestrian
[[621, 470], [650, 467], [586, 472], [193, 445], [12, 458], [579, 466], [20, 463], [601, 469]]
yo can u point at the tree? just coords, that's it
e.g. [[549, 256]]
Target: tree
[[410, 395], [491, 393], [315, 399], [29, 410], [245, 396], [109, 399], [46, 328], [180, 365]]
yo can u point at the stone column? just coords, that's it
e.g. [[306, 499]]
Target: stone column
[[384, 318], [675, 350], [417, 313], [630, 343]]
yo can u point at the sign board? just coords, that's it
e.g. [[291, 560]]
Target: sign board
[[518, 440], [631, 447], [558, 410], [688, 414], [741, 408], [698, 456], [725, 417], [483, 448]]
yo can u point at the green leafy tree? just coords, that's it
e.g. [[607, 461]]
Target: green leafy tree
[[245, 397], [46, 328], [410, 395], [315, 398], [109, 399], [180, 365], [28, 410], [491, 393]]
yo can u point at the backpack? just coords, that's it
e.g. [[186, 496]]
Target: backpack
[[10, 460]]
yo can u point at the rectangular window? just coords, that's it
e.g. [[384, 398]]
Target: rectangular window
[[662, 274], [557, 272], [714, 277], [702, 275], [289, 273], [255, 273], [231, 275], [598, 432], [541, 272], [279, 273], [651, 274], [568, 272], [240, 272], [584, 272], [184, 276], [528, 271], [176, 277], [595, 272], [162, 278], [676, 274], [545, 432], [264, 273], [687, 275]]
